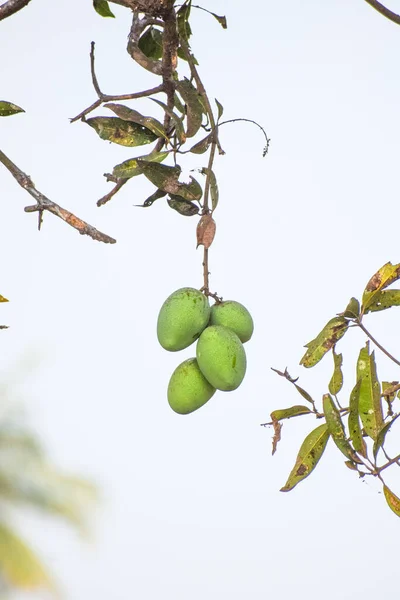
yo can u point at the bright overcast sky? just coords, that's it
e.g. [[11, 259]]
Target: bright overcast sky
[[191, 505]]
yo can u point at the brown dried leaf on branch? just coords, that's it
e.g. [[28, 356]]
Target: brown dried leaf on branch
[[205, 231]]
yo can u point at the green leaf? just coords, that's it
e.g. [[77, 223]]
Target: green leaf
[[202, 146], [150, 43], [380, 439], [336, 382], [352, 310], [180, 132], [220, 109], [221, 20], [370, 406], [308, 457], [303, 393], [121, 132], [182, 17], [213, 186], [325, 340], [183, 207], [131, 167], [194, 103], [151, 199], [178, 104], [128, 114], [354, 421], [336, 428], [288, 413], [386, 275], [102, 8], [383, 300], [392, 500], [2, 299], [19, 565], [8, 108], [166, 179]]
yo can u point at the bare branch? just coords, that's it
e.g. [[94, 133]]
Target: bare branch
[[115, 190], [107, 97], [43, 203], [389, 14], [11, 7]]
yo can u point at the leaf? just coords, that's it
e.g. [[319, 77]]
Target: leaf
[[328, 337], [277, 435], [392, 500], [166, 179], [179, 130], [385, 276], [182, 17], [102, 8], [121, 132], [214, 193], [308, 457], [131, 167], [370, 406], [220, 109], [205, 231], [303, 393], [380, 439], [151, 199], [354, 421], [194, 103], [202, 146], [178, 104], [150, 43], [183, 207], [2, 299], [336, 428], [128, 114], [19, 565], [336, 382], [221, 20], [352, 310], [383, 300], [288, 413], [8, 108]]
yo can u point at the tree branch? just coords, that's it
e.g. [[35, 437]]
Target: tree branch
[[389, 14], [11, 7], [107, 97], [43, 203]]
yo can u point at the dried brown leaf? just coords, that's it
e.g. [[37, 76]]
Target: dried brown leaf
[[205, 231]]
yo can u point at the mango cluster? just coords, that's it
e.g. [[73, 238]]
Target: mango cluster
[[220, 331]]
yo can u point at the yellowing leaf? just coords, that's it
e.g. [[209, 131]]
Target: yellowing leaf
[[325, 340], [392, 500], [308, 457], [288, 413], [19, 566], [8, 108], [128, 114], [2, 299], [385, 276], [121, 132], [131, 167], [383, 300], [370, 406]]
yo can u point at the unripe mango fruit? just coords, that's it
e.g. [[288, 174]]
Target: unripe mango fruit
[[188, 389], [221, 357], [235, 316], [182, 318]]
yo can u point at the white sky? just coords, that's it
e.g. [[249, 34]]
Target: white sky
[[191, 505]]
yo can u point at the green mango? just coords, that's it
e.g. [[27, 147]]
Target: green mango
[[188, 389], [221, 357], [182, 318], [235, 316]]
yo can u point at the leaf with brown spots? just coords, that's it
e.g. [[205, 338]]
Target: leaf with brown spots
[[308, 457], [336, 428], [354, 421], [277, 435], [205, 231], [128, 114], [336, 382], [386, 275], [182, 206], [121, 132], [166, 179], [370, 404], [383, 300], [392, 500], [325, 340]]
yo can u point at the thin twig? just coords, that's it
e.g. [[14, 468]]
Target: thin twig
[[11, 7], [108, 97], [361, 326], [389, 14], [43, 203], [120, 183]]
